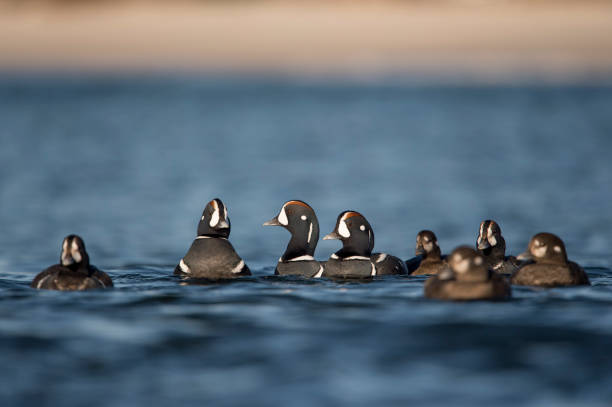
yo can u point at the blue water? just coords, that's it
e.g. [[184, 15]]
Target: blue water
[[129, 162]]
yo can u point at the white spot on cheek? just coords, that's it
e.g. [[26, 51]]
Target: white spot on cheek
[[478, 261], [462, 266], [282, 217], [362, 228], [557, 249], [492, 240], [343, 229], [303, 217]]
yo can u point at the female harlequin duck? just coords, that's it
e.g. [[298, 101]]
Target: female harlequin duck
[[211, 255], [355, 259], [300, 220], [428, 258], [467, 279], [551, 268], [492, 247], [73, 273]]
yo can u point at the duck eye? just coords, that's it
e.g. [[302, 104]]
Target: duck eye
[[303, 217]]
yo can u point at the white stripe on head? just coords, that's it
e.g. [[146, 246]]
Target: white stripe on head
[[310, 233], [282, 217], [66, 257], [74, 251], [214, 219], [491, 236], [481, 232]]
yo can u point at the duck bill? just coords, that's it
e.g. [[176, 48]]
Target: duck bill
[[273, 222], [332, 236], [419, 251], [525, 256]]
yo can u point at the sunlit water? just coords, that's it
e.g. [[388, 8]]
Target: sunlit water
[[129, 163]]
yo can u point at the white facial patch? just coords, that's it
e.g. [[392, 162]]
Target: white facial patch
[[74, 251], [214, 219], [462, 266], [303, 217], [428, 246], [492, 240], [481, 232], [343, 229], [309, 233], [225, 212], [478, 261], [282, 217], [557, 249], [362, 228], [491, 236], [539, 251]]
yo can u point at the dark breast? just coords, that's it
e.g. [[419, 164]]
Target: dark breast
[[306, 268], [348, 268], [61, 278], [214, 258], [550, 275], [497, 288], [388, 265]]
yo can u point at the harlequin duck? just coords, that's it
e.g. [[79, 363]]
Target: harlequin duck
[[428, 258], [211, 255], [355, 259], [551, 268], [492, 246], [73, 273], [467, 279], [300, 220]]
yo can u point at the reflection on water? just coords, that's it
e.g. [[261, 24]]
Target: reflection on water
[[128, 163]]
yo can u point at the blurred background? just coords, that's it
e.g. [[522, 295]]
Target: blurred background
[[120, 120]]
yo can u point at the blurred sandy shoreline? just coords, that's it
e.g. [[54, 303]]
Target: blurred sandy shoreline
[[477, 39]]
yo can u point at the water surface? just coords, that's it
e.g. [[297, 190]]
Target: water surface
[[129, 163]]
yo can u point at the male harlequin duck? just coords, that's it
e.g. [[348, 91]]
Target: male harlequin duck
[[300, 220], [428, 258], [73, 273], [551, 268], [211, 255], [492, 246], [467, 279], [355, 259]]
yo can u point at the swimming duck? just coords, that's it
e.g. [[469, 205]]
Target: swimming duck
[[211, 255], [550, 268], [73, 273], [492, 247], [300, 220], [467, 279], [428, 258], [355, 259]]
